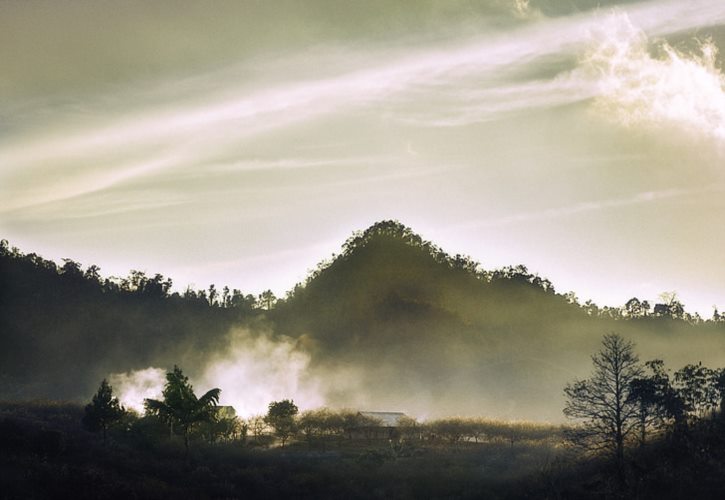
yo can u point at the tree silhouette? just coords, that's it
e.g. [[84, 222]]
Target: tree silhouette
[[718, 382], [281, 416], [604, 403], [180, 409], [670, 307], [633, 307], [103, 411], [267, 299], [694, 384], [645, 308], [257, 426]]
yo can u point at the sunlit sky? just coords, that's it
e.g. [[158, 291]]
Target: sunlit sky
[[240, 143]]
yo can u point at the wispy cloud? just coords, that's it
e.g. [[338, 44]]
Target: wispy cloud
[[588, 206], [453, 85]]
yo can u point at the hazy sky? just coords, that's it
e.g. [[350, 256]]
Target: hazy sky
[[240, 143]]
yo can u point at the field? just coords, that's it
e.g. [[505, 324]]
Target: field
[[48, 454]]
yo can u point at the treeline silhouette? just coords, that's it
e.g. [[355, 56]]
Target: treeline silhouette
[[62, 326], [327, 453], [419, 326], [180, 412], [395, 240], [188, 446]]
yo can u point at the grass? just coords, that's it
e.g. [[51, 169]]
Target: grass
[[48, 455]]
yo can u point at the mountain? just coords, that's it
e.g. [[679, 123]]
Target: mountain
[[391, 323], [435, 334], [388, 284]]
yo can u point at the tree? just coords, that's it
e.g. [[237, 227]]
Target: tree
[[603, 403], [452, 430], [718, 383], [93, 274], [652, 393], [591, 308], [180, 409], [317, 423], [281, 416], [224, 426], [103, 411], [694, 384], [671, 306], [645, 308], [633, 307], [267, 299], [257, 425], [644, 393]]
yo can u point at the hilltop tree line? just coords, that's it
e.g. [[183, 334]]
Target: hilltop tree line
[[52, 313], [669, 305], [141, 285], [388, 288], [137, 284]]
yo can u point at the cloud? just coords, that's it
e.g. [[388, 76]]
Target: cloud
[[589, 206], [449, 83], [673, 89]]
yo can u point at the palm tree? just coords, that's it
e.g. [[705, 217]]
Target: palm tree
[[181, 409]]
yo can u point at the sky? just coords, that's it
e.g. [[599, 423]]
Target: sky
[[240, 143]]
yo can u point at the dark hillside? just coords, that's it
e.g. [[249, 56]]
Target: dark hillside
[[392, 322], [417, 325], [689, 466], [62, 329], [46, 454], [389, 275]]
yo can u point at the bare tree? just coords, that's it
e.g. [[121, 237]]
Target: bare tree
[[603, 403]]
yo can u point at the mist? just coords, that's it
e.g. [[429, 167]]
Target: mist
[[499, 363]]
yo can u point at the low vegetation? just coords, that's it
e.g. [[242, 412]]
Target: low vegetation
[[49, 453], [637, 433]]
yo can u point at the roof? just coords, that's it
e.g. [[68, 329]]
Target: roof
[[387, 418]]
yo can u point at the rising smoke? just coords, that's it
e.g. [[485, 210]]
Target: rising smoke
[[253, 370]]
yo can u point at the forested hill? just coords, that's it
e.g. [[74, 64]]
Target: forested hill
[[409, 324], [62, 328], [415, 324], [389, 276], [388, 285]]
